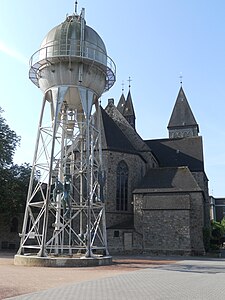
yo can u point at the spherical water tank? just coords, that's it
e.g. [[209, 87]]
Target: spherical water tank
[[72, 54]]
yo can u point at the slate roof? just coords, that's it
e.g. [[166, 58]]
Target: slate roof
[[182, 115], [121, 103], [128, 107], [168, 180], [115, 138], [179, 152]]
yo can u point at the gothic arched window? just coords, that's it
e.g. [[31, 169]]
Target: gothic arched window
[[122, 186]]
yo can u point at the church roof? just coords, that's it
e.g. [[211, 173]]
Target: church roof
[[121, 103], [182, 115], [128, 107], [136, 142], [159, 180], [179, 152], [115, 138]]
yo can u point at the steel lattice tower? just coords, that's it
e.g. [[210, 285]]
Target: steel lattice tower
[[65, 210]]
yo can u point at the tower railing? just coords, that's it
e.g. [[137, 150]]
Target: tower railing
[[56, 53]]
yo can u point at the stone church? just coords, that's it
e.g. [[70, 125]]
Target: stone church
[[156, 191]]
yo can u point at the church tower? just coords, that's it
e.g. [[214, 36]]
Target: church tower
[[182, 122], [126, 108], [121, 104]]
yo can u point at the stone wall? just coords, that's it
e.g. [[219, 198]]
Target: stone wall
[[137, 169], [197, 223], [170, 223], [167, 231], [202, 181], [120, 241]]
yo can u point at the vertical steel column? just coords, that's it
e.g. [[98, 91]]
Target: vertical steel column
[[26, 214], [88, 170], [58, 96]]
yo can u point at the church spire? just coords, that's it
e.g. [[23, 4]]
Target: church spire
[[128, 111], [182, 122], [121, 104]]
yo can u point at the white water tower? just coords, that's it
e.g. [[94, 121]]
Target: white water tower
[[65, 211]]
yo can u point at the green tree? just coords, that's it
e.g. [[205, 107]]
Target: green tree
[[8, 143], [14, 179], [217, 233]]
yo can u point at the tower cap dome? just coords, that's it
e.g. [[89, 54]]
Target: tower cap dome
[[72, 41], [67, 36]]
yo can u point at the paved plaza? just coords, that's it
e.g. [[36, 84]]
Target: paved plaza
[[128, 278]]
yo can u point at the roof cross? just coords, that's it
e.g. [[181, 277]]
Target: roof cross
[[129, 80], [122, 86], [181, 79]]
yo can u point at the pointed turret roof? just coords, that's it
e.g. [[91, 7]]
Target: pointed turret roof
[[129, 108], [121, 104], [182, 115]]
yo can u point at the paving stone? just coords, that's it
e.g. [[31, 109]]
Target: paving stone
[[187, 279]]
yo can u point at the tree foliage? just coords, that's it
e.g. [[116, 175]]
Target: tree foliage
[[8, 143], [14, 179], [217, 234]]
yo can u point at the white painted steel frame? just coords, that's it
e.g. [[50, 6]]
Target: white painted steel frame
[[71, 140]]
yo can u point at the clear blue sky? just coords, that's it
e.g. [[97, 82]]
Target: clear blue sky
[[151, 41]]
